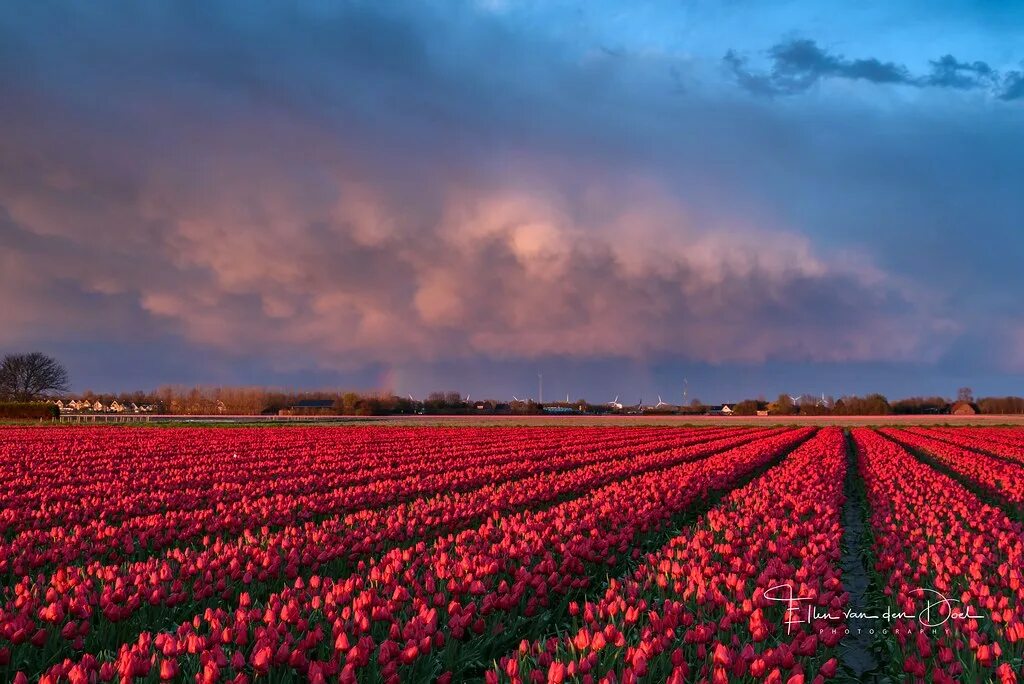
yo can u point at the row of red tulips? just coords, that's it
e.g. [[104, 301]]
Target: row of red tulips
[[712, 604], [438, 608], [951, 567], [80, 483], [997, 476], [75, 607], [140, 536], [138, 473], [1013, 437], [975, 439], [373, 554]]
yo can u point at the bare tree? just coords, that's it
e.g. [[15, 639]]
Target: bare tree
[[965, 394], [784, 406], [28, 377]]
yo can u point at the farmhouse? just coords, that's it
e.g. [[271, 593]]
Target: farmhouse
[[720, 410]]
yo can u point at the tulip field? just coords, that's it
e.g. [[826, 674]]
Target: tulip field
[[512, 554]]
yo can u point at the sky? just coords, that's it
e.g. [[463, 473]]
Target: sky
[[746, 197]]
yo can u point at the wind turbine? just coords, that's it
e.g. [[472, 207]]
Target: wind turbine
[[660, 403], [797, 398], [614, 403]]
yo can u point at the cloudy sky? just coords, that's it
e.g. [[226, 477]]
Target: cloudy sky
[[755, 196]]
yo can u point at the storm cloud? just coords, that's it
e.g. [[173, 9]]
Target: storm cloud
[[365, 186]]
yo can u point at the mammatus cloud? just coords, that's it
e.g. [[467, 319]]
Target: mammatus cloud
[[353, 277], [799, 64]]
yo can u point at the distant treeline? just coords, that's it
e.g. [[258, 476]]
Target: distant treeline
[[256, 400], [35, 377], [27, 410], [879, 405]]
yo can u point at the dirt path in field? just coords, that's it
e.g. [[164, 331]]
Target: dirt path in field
[[856, 648]]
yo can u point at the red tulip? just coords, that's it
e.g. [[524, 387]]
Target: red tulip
[[829, 667], [168, 669], [721, 656], [556, 673]]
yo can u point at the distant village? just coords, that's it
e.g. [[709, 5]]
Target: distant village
[[227, 401], [87, 406], [436, 403]]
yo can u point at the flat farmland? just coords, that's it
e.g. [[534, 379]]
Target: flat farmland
[[695, 421], [618, 420], [617, 552]]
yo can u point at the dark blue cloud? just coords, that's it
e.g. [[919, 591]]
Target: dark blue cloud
[[1013, 86], [948, 72], [799, 64]]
